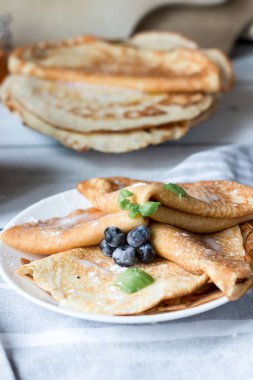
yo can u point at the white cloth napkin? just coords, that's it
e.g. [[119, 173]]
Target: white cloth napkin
[[40, 344]]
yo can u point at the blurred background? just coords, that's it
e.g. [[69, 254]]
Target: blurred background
[[211, 23]]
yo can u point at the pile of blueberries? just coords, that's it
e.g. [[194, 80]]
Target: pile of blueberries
[[127, 250]]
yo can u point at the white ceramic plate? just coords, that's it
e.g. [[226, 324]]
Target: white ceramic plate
[[60, 205]]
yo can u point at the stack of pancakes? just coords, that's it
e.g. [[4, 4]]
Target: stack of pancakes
[[203, 243], [115, 96]]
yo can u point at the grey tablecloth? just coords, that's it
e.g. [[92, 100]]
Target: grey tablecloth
[[39, 344]]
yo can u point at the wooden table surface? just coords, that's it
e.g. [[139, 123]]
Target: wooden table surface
[[33, 167]]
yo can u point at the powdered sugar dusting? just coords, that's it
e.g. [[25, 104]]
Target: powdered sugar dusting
[[138, 184], [236, 197], [89, 264], [73, 220], [205, 195], [116, 268], [212, 244]]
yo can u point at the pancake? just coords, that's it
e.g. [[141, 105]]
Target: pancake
[[220, 256], [91, 60], [165, 41], [215, 199], [78, 229], [108, 142], [84, 279], [161, 40], [85, 108]]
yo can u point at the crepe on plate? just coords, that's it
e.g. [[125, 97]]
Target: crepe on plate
[[92, 60], [204, 294], [78, 229], [84, 279], [209, 206], [189, 269], [247, 235], [221, 255]]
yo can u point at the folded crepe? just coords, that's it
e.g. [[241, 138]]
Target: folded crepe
[[189, 271], [86, 108], [105, 141], [78, 229], [247, 235], [84, 279], [91, 60], [206, 293], [221, 256], [207, 207]]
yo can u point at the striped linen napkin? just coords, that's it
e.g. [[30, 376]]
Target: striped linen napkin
[[40, 344]]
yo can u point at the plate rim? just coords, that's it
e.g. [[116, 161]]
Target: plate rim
[[135, 319]]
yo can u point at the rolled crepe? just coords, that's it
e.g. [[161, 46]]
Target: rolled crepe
[[208, 206], [195, 223], [80, 228], [221, 256], [247, 235]]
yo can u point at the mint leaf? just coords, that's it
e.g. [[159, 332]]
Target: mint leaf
[[149, 208], [123, 202], [133, 280], [125, 193], [175, 189], [135, 210]]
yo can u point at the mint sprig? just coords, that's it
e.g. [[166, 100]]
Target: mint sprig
[[175, 189], [134, 211], [123, 202], [148, 208]]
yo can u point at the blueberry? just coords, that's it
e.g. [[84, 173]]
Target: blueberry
[[106, 249], [138, 236], [125, 256], [114, 237], [146, 253]]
